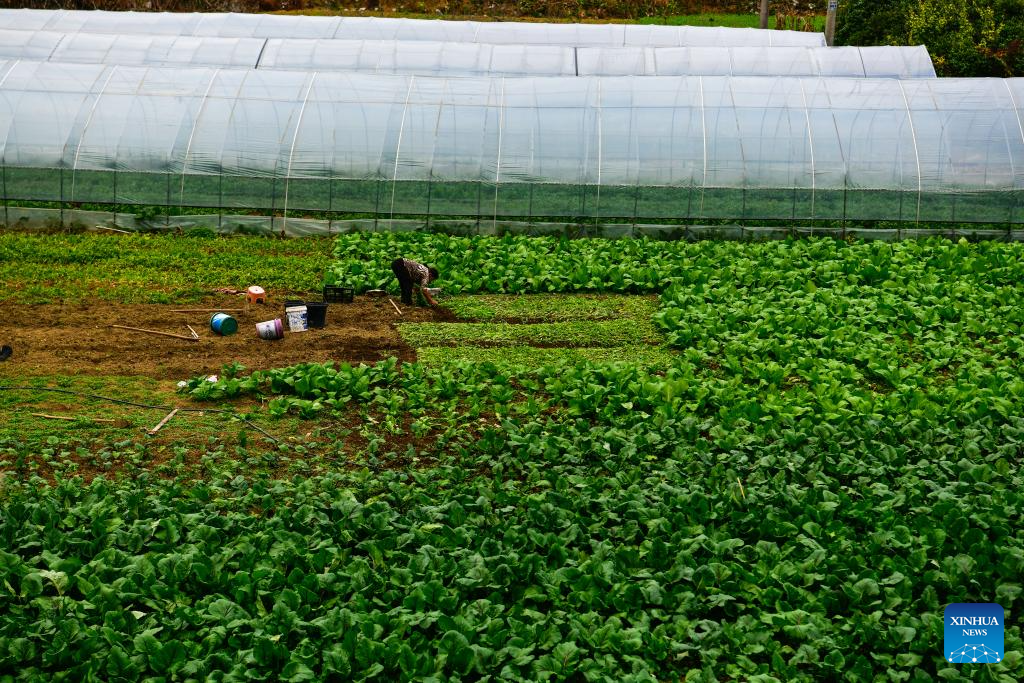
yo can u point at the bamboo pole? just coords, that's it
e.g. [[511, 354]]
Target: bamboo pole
[[162, 334], [167, 418], [207, 310], [397, 309]]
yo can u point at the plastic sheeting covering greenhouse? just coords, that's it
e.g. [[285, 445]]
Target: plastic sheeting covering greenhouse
[[424, 58], [650, 149], [454, 59], [144, 50], [372, 28], [869, 62]]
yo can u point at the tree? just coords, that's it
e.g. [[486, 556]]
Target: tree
[[873, 22], [957, 34], [964, 37]]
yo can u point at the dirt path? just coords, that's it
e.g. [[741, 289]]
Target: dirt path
[[77, 339]]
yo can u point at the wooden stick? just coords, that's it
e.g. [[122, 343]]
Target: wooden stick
[[72, 419], [167, 418], [206, 310], [192, 331], [162, 334], [397, 309]]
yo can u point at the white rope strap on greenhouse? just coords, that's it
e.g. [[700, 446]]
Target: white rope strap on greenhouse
[[85, 128], [433, 148], [739, 139], [497, 168], [55, 18], [1009, 150], [113, 43], [839, 142], [7, 137], [810, 142], [380, 56], [3, 80], [1016, 111], [291, 151], [704, 135], [917, 156], [814, 61], [600, 145], [192, 133], [398, 146], [490, 57]]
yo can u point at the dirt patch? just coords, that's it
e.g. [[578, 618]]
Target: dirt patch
[[73, 339]]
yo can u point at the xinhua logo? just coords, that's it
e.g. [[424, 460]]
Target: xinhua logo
[[973, 633]]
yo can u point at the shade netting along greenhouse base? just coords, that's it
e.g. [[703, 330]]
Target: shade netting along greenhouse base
[[33, 219]]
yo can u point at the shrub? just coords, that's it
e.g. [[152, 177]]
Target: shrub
[[964, 37]]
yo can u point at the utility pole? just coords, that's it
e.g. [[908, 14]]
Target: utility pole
[[764, 13], [830, 22]]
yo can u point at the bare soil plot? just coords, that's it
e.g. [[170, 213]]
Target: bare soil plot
[[71, 339]]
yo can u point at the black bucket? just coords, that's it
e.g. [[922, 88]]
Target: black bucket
[[288, 303], [316, 314]]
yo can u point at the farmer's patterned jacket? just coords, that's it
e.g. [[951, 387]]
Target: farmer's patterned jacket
[[418, 272]]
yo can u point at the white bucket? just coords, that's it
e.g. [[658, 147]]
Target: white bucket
[[271, 329], [298, 320]]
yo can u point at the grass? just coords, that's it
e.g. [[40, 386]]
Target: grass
[[703, 19], [590, 333], [145, 268], [582, 328], [526, 309], [531, 356], [727, 20], [18, 405], [36, 446]]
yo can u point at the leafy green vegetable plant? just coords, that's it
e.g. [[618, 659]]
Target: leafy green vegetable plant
[[831, 458]]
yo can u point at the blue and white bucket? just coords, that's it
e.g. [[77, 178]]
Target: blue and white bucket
[[223, 324], [298, 318]]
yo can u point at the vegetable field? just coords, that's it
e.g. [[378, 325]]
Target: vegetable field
[[617, 461]]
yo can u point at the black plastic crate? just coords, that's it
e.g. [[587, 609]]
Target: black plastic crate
[[339, 295]]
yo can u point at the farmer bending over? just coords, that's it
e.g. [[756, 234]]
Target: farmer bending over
[[410, 273]]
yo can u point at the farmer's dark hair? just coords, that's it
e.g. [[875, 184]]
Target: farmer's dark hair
[[433, 272]]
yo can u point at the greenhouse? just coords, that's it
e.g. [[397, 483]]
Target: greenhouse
[[370, 28], [144, 50], [425, 58], [656, 149]]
